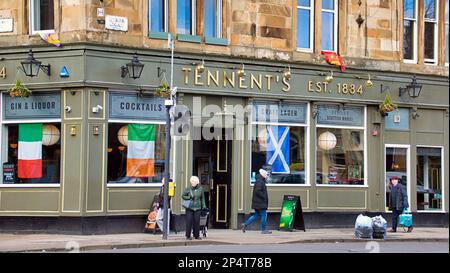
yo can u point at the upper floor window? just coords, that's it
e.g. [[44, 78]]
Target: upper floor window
[[446, 32], [431, 26], [186, 17], [329, 25], [305, 25], [42, 16], [158, 15], [213, 18], [409, 30]]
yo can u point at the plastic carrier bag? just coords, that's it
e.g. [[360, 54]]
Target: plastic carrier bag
[[406, 219], [379, 225], [363, 227]]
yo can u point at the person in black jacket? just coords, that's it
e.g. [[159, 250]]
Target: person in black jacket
[[260, 201], [398, 201], [160, 215]]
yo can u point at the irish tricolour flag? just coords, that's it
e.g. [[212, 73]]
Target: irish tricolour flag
[[30, 150], [141, 150]]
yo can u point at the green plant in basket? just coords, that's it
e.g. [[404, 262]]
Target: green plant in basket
[[19, 90], [163, 90], [387, 106]]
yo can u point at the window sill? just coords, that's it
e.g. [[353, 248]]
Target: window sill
[[431, 211], [37, 32], [189, 38], [305, 50], [341, 186], [159, 35], [131, 185], [410, 61], [53, 185], [283, 185], [216, 41]]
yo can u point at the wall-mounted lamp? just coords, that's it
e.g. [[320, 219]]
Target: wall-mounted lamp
[[201, 67], [241, 71], [287, 73], [133, 68], [329, 78], [31, 66], [413, 88], [369, 83]]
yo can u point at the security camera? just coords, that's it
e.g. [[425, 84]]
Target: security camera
[[97, 108], [68, 109]]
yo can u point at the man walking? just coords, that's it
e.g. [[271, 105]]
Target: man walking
[[398, 201], [260, 202]]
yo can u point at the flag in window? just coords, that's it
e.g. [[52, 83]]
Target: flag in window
[[278, 149], [30, 151], [141, 150]]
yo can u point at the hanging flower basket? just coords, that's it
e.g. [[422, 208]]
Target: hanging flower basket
[[19, 90], [163, 90], [387, 106]]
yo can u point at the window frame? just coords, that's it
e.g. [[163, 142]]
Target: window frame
[[193, 29], [415, 33], [436, 34], [335, 27], [311, 10], [306, 125], [32, 30], [136, 185], [219, 18], [364, 129], [442, 210], [166, 17]]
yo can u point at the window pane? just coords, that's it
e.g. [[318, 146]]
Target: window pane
[[340, 156], [446, 11], [328, 31], [43, 157], [121, 168], [446, 43], [409, 9], [430, 9], [396, 166], [429, 179], [43, 14], [408, 40], [328, 4], [303, 28], [184, 16], [286, 164], [304, 3], [429, 40], [157, 15], [211, 18]]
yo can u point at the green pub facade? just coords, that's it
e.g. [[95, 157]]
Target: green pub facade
[[338, 150]]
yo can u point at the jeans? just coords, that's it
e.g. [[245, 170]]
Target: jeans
[[258, 213], [160, 220], [192, 223], [395, 214]]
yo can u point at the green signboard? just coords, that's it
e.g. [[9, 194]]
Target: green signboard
[[291, 214]]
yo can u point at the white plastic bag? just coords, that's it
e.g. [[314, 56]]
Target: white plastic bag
[[379, 225], [363, 227]]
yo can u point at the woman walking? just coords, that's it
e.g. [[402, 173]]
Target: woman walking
[[194, 201]]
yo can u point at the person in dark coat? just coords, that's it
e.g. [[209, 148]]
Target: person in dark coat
[[260, 201], [398, 201], [160, 215], [195, 193]]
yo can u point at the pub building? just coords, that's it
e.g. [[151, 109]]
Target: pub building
[[323, 141]]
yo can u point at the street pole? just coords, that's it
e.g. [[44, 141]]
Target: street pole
[[168, 103]]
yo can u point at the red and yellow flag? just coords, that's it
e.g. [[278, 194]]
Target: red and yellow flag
[[334, 59]]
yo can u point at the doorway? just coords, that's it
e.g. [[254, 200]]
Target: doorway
[[212, 164], [397, 162]]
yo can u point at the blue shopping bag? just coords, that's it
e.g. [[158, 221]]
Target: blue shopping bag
[[406, 218]]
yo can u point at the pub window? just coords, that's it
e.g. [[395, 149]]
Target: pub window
[[135, 153], [409, 30], [186, 17], [32, 154], [431, 34], [213, 18], [340, 146], [305, 25], [446, 32], [329, 25], [42, 16], [429, 178], [158, 15], [278, 144]]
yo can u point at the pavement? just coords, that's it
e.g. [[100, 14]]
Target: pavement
[[75, 243]]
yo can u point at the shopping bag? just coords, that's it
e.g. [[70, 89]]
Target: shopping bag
[[406, 219]]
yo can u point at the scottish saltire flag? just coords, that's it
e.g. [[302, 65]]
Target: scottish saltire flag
[[141, 150], [30, 151], [278, 149]]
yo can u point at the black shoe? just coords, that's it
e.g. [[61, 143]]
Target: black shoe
[[392, 230], [243, 227], [189, 238], [410, 229], [198, 238]]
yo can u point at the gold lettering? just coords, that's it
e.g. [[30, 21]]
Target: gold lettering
[[257, 81], [228, 79], [325, 85], [310, 86], [318, 87], [269, 78], [241, 83], [197, 78], [214, 79], [186, 74], [287, 85]]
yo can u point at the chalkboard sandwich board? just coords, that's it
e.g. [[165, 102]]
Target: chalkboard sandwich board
[[9, 173]]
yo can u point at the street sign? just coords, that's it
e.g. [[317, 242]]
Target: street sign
[[291, 214]]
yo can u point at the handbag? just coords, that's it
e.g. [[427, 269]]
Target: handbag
[[187, 204], [406, 219]]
